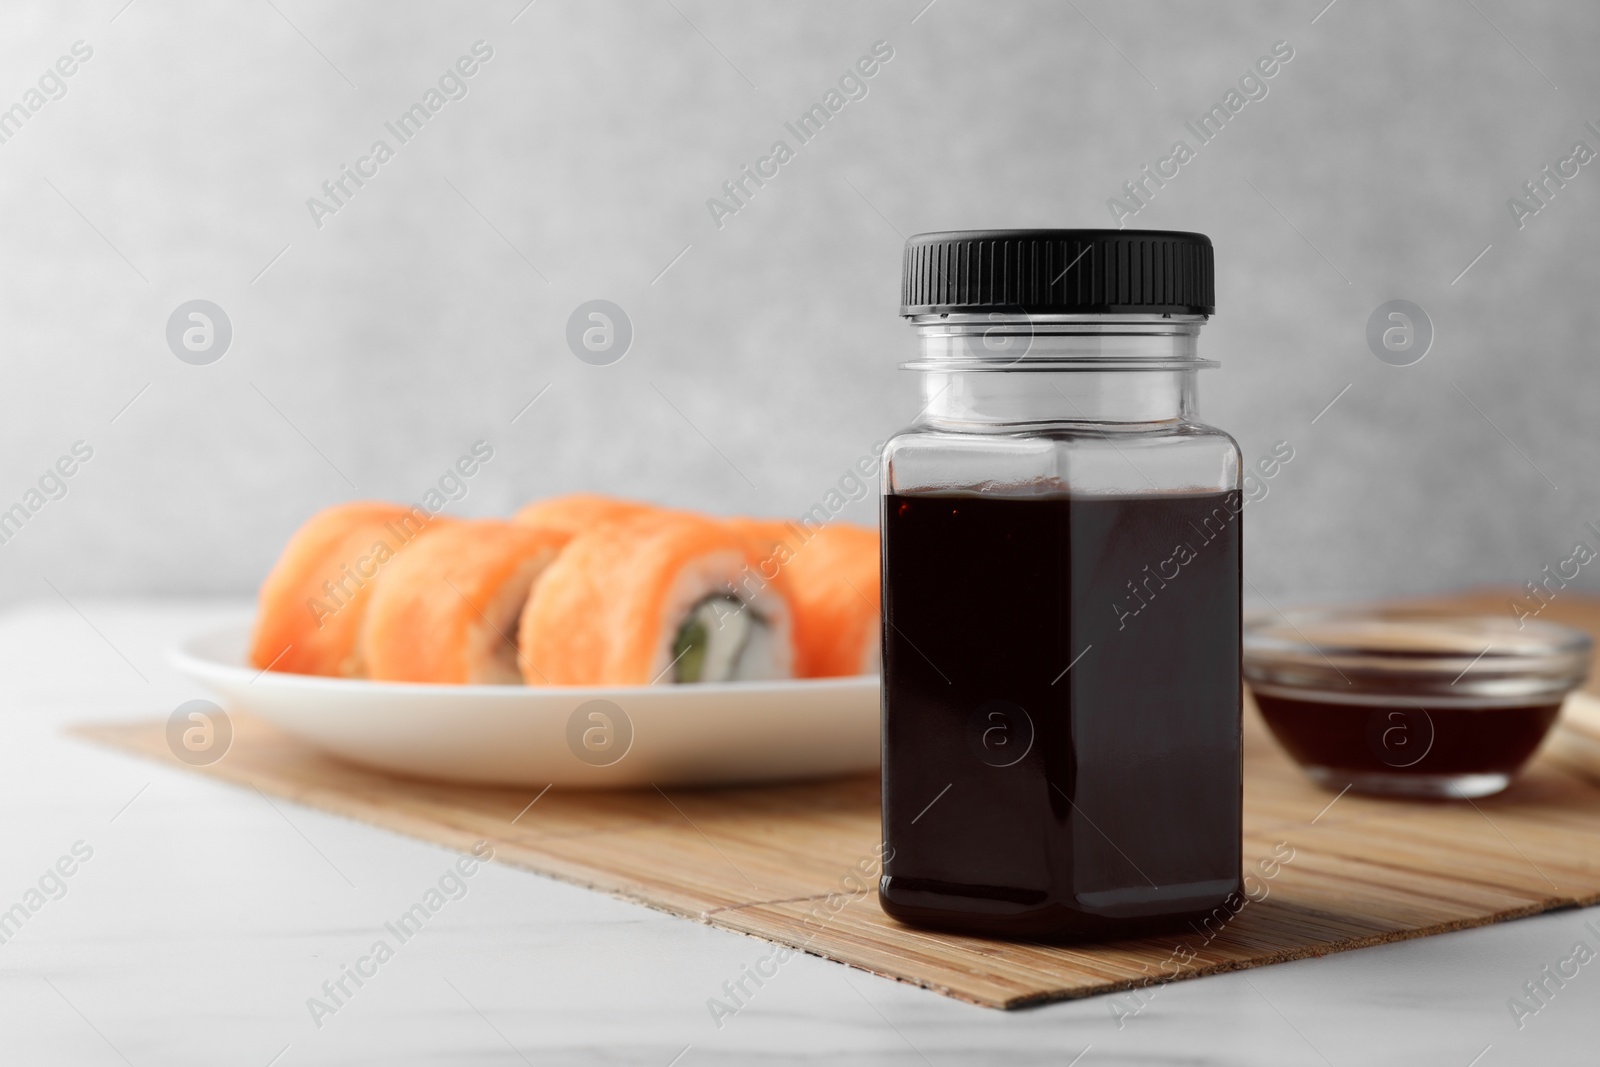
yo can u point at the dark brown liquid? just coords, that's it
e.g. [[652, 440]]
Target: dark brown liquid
[[1407, 738], [1021, 798]]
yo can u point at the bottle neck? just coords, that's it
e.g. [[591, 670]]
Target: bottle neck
[[971, 399], [1013, 370]]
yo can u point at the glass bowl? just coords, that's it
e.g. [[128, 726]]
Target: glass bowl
[[1411, 702]]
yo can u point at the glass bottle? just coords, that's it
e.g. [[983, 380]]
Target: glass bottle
[[1061, 593]]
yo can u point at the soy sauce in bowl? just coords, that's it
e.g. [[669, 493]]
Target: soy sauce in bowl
[[1411, 703]]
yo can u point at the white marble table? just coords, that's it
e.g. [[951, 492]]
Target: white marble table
[[207, 916]]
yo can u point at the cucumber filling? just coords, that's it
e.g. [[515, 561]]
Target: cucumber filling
[[722, 640]]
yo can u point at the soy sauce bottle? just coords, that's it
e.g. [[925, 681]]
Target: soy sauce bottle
[[1061, 572]]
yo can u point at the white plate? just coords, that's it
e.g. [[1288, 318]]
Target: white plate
[[710, 734]]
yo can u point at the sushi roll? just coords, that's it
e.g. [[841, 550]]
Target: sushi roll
[[311, 604], [447, 610], [831, 577], [578, 513], [662, 597]]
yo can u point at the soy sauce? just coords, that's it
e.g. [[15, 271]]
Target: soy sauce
[[1407, 738], [1061, 716]]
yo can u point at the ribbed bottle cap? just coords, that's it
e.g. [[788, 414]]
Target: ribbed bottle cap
[[1059, 272]]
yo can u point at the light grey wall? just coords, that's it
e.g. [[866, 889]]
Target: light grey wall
[[432, 307]]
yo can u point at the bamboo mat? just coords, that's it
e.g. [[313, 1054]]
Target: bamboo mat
[[796, 864]]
